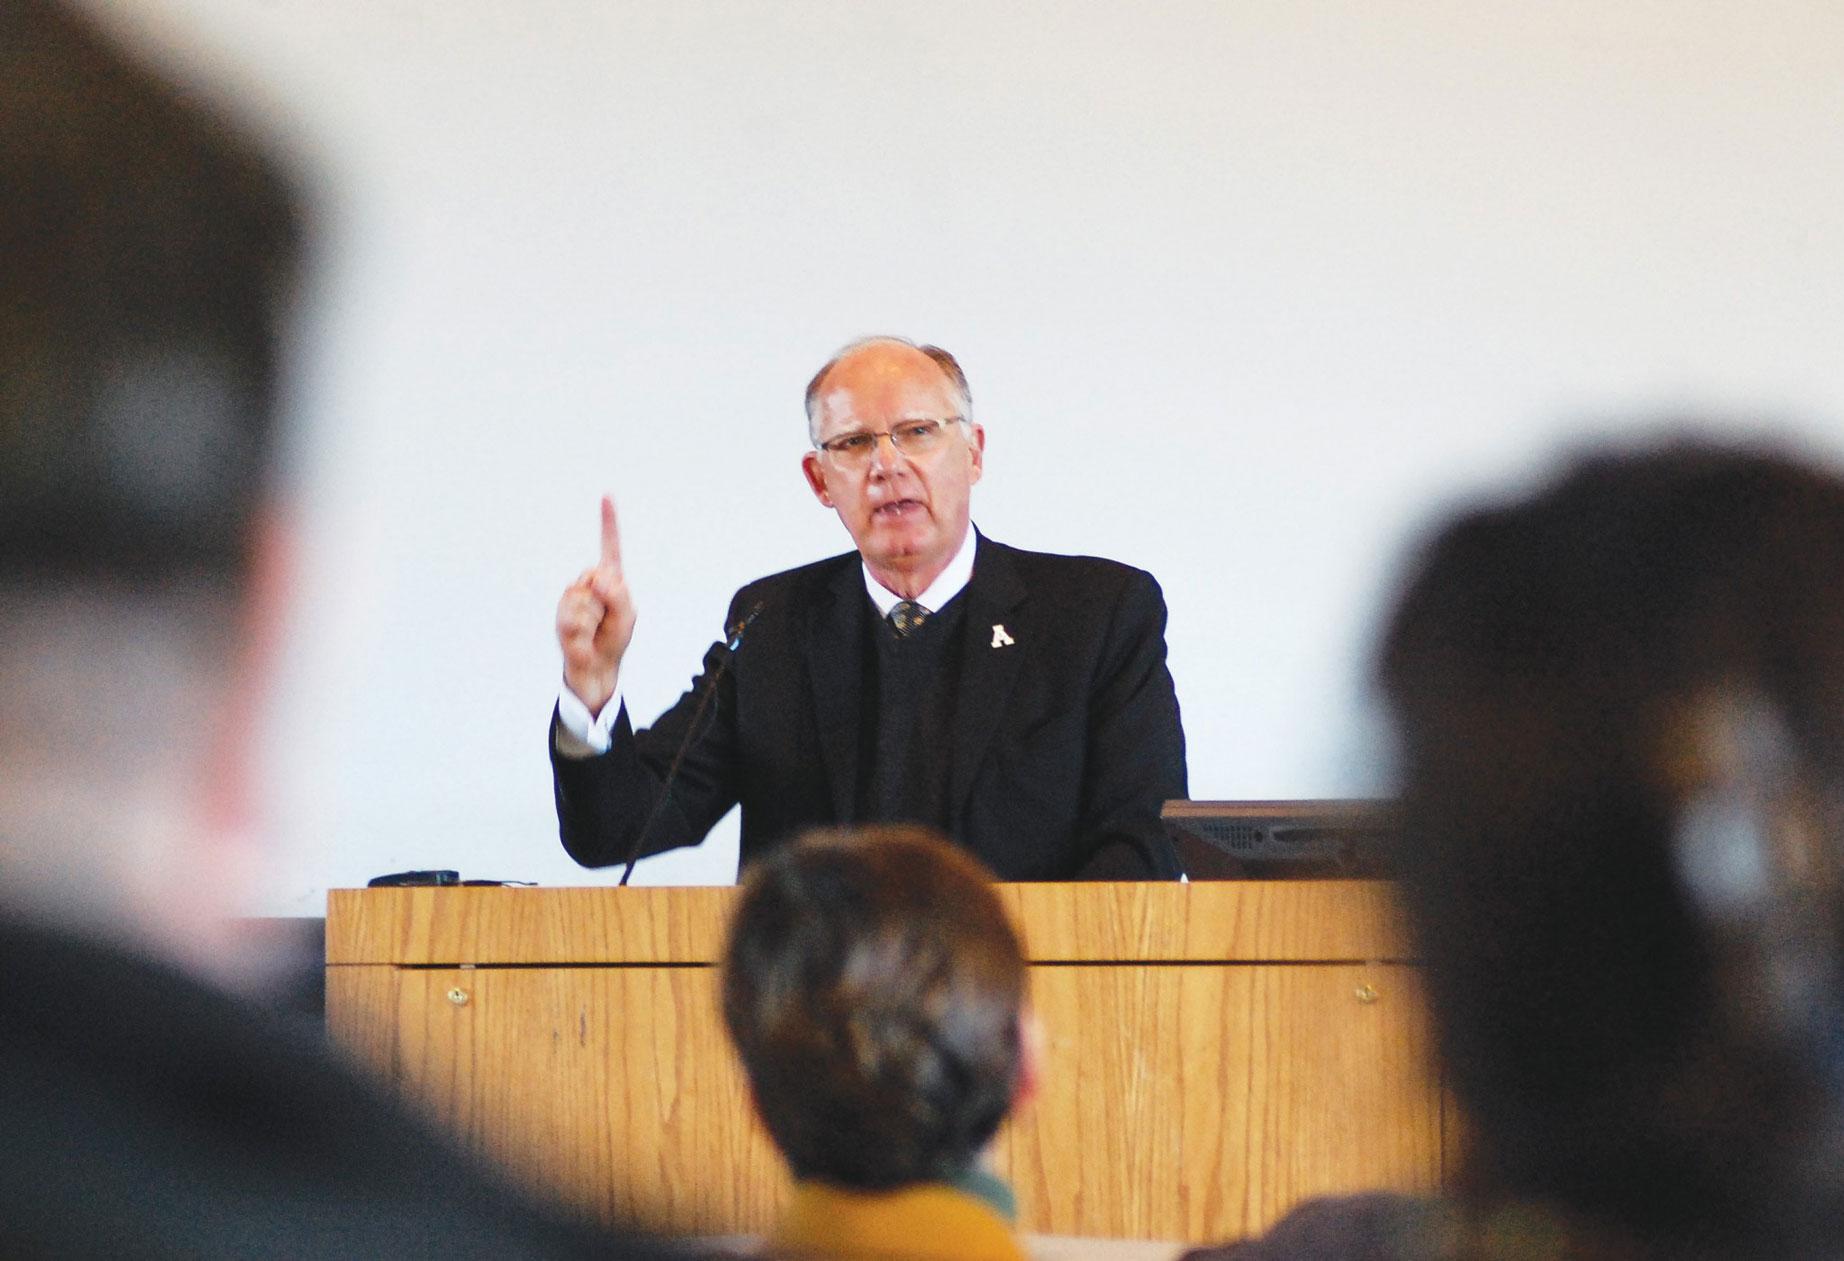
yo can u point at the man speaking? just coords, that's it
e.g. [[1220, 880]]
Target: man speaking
[[1017, 701]]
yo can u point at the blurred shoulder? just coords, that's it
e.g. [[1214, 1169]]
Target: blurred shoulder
[[1377, 1226]]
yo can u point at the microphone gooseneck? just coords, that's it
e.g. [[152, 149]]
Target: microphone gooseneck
[[733, 640]]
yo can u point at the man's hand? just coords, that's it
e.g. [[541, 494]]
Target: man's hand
[[595, 621]]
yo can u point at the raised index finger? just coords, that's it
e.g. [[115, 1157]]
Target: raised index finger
[[611, 535]]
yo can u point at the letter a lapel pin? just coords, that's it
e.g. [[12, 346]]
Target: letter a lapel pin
[[1000, 638]]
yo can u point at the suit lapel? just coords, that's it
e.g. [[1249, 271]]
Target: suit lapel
[[989, 665], [835, 663]]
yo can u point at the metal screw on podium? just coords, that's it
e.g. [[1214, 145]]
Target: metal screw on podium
[[1366, 995], [458, 996]]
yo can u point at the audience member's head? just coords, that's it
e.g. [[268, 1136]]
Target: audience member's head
[[146, 257], [875, 991], [1620, 707], [146, 254]]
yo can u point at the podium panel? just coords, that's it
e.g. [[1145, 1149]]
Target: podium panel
[[1214, 1052]]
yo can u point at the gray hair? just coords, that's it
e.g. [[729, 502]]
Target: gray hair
[[950, 368]]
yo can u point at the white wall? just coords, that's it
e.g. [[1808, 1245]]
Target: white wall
[[1247, 292]]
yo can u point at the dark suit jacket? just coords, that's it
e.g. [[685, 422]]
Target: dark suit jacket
[[1066, 740], [145, 1115]]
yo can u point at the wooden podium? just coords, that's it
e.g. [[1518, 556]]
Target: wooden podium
[[1215, 1052]]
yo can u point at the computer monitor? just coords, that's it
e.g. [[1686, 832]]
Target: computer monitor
[[1284, 840]]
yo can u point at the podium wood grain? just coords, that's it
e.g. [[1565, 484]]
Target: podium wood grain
[[1215, 1052]]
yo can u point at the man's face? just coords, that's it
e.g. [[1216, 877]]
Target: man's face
[[907, 514]]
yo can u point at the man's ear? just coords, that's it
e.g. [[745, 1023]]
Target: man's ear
[[228, 793], [1030, 1057], [224, 838], [977, 441], [816, 477]]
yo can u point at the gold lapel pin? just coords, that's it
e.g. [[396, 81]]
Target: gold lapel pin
[[999, 636]]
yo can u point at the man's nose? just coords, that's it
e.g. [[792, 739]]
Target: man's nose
[[884, 456]]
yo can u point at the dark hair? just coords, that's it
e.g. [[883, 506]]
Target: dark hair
[[145, 252], [1544, 669], [949, 365], [873, 988]]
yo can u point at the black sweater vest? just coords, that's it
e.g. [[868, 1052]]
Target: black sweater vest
[[911, 686]]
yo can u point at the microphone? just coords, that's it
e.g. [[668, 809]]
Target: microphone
[[733, 640]]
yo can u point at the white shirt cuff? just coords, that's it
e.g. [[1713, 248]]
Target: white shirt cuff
[[579, 733]]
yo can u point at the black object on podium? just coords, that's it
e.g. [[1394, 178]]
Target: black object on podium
[[1284, 840]]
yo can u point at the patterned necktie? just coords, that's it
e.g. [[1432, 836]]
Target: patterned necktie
[[907, 618]]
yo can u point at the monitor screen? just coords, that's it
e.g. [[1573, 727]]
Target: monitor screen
[[1283, 840]]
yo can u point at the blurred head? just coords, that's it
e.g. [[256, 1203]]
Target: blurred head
[[1620, 709], [148, 252], [875, 992], [905, 498]]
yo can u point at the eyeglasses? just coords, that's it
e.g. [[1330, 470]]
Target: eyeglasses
[[915, 439]]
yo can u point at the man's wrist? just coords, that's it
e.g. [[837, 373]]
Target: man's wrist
[[582, 733], [594, 691]]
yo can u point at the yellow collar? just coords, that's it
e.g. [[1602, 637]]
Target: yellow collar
[[925, 1222]]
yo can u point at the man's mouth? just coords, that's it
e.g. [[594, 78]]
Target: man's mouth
[[896, 510]]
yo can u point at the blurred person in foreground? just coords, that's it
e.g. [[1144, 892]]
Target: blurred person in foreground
[[875, 992], [147, 253], [1619, 703]]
